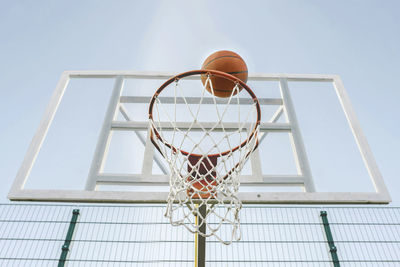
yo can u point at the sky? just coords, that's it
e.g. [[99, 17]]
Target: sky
[[357, 40]]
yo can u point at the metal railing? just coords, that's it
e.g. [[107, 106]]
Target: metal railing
[[139, 235]]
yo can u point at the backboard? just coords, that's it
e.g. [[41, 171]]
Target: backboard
[[92, 143]]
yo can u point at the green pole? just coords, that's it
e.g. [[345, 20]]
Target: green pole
[[329, 238], [68, 238]]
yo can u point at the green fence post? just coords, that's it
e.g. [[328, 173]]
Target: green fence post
[[68, 238], [329, 237]]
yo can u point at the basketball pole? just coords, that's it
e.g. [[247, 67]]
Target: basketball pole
[[200, 241]]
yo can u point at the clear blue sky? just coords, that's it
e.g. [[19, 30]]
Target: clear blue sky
[[359, 40]]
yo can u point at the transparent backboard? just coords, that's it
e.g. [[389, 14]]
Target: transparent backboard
[[92, 143]]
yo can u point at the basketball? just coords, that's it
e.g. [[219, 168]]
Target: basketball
[[229, 62]]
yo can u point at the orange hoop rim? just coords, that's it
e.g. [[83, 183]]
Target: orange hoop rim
[[154, 132]]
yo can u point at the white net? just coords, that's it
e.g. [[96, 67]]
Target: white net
[[206, 141]]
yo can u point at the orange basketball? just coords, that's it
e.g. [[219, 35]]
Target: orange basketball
[[229, 62]]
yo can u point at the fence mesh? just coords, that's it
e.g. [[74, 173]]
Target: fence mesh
[[139, 235]]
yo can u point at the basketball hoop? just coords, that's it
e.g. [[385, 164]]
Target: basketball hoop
[[207, 151]]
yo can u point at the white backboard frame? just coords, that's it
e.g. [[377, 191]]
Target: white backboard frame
[[96, 177]]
